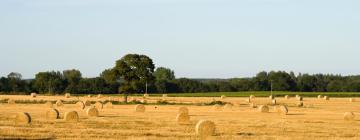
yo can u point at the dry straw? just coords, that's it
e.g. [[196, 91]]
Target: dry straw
[[183, 110], [52, 114], [89, 96], [33, 95], [87, 103], [283, 109], [223, 97], [252, 97], [320, 96], [352, 100], [49, 104], [326, 98], [71, 116], [264, 109], [140, 108], [299, 98], [217, 107], [99, 96], [205, 128], [228, 107], [92, 112], [67, 95], [300, 104], [271, 97], [22, 118], [274, 102], [109, 105], [11, 101], [253, 105], [59, 103], [146, 95], [349, 116], [99, 105], [164, 95], [286, 96], [183, 118], [81, 104]]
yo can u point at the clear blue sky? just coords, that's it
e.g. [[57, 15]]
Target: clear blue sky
[[195, 38]]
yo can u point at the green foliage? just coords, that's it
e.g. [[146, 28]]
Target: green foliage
[[49, 82]]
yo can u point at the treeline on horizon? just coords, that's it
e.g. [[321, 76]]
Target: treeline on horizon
[[133, 72]]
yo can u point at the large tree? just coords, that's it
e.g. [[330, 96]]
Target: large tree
[[72, 78], [135, 71], [49, 82]]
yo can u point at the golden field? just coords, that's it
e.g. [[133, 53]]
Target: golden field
[[318, 119]]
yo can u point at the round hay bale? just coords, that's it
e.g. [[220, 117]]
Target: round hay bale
[[99, 96], [300, 104], [273, 101], [183, 110], [320, 96], [352, 100], [183, 118], [283, 109], [59, 103], [223, 97], [349, 116], [146, 95], [286, 97], [89, 96], [264, 109], [11, 101], [67, 95], [205, 128], [217, 107], [71, 116], [99, 105], [33, 95], [248, 100], [49, 104], [110, 99], [144, 101], [52, 114], [92, 112], [109, 105], [271, 97], [81, 104], [299, 98], [140, 108], [164, 95], [326, 98], [228, 107], [87, 103], [253, 105], [252, 97], [22, 118]]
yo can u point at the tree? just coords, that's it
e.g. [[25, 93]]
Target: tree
[[50, 82], [165, 74], [262, 82], [136, 71], [72, 78]]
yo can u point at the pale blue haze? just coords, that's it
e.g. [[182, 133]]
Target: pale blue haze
[[195, 38]]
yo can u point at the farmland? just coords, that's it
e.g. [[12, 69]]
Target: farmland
[[317, 119]]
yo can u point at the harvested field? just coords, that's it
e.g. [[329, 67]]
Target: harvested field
[[317, 119]]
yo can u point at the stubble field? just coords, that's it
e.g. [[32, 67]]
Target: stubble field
[[317, 119]]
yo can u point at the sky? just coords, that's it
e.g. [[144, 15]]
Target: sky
[[195, 38]]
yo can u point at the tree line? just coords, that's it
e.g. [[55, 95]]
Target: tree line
[[136, 73]]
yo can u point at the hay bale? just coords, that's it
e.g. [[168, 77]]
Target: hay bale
[[99, 96], [92, 112], [253, 105], [283, 109], [205, 128], [271, 97], [273, 101], [146, 95], [352, 100], [99, 105], [140, 108], [349, 116], [71, 116], [320, 96], [81, 104], [183, 118], [89, 96], [11, 101], [183, 110], [33, 95], [223, 97], [49, 104], [300, 104], [87, 103], [248, 100], [264, 109], [59, 103], [297, 96], [110, 99], [109, 105], [52, 114], [228, 107], [326, 98], [164, 95], [144, 101], [217, 107], [67, 95], [286, 97], [22, 118], [252, 97]]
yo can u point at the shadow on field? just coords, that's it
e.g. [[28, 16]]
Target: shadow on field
[[294, 114]]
